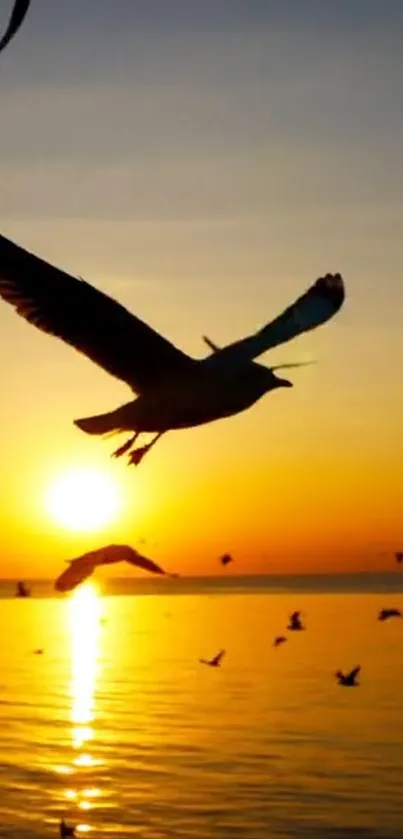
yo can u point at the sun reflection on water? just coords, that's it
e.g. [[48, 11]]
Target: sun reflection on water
[[84, 613]]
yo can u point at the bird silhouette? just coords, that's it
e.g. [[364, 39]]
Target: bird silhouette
[[38, 652], [67, 831], [213, 662], [83, 566], [174, 390], [295, 623], [399, 556], [226, 559], [385, 614], [18, 13], [279, 639], [348, 680]]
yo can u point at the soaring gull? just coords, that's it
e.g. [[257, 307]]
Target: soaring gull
[[174, 390], [348, 680], [385, 614], [83, 566], [213, 662], [18, 13]]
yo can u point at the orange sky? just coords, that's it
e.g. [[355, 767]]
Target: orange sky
[[206, 201]]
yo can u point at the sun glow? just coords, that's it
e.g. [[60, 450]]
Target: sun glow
[[83, 499]]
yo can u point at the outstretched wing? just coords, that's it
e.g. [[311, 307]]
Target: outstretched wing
[[18, 13], [319, 303], [142, 562], [354, 673], [87, 319], [79, 570], [218, 658]]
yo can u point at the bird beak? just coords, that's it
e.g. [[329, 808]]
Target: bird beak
[[285, 383]]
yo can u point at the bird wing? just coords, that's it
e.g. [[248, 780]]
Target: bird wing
[[319, 303], [18, 13], [79, 570], [353, 673], [142, 562], [87, 319], [218, 658]]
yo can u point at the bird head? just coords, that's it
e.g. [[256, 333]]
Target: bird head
[[274, 381]]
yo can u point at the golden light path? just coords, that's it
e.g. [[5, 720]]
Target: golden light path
[[85, 609]]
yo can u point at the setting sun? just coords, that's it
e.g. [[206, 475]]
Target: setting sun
[[83, 499]]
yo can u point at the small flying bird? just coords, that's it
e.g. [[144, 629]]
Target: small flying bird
[[279, 639], [226, 559], [38, 652], [18, 13], [399, 556], [83, 566], [67, 830], [295, 623], [385, 614], [213, 662], [173, 390], [348, 680]]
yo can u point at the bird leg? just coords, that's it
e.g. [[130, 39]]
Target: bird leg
[[126, 446], [137, 456]]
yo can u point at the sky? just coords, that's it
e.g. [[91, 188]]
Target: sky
[[204, 163]]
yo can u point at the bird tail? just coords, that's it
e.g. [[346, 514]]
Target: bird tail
[[101, 424]]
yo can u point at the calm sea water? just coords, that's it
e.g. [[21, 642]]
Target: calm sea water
[[118, 728]]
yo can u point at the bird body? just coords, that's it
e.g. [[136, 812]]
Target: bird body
[[226, 559], [385, 614], [83, 566], [295, 623], [279, 639], [348, 680], [173, 390], [213, 662]]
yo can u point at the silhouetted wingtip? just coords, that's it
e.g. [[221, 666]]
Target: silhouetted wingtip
[[332, 286]]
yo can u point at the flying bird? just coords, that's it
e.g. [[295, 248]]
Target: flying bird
[[279, 639], [226, 559], [295, 623], [174, 390], [67, 831], [385, 614], [399, 556], [83, 566], [38, 652], [348, 680], [18, 13], [213, 662]]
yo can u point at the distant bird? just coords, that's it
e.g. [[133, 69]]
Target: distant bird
[[66, 830], [226, 559], [385, 614], [174, 390], [348, 680], [279, 639], [38, 652], [18, 13], [82, 567], [22, 589], [399, 556], [213, 662], [295, 623]]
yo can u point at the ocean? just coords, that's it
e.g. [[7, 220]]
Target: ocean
[[118, 728]]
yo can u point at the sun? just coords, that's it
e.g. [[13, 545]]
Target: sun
[[83, 500]]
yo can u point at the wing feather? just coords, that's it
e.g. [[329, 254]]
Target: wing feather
[[87, 319], [317, 305], [18, 13]]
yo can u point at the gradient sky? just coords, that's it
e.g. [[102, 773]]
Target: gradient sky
[[204, 163]]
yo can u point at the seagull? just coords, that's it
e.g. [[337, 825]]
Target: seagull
[[295, 622], [66, 830], [18, 13], [226, 559], [174, 390], [385, 614], [279, 639], [83, 566], [399, 556], [213, 662], [348, 680]]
